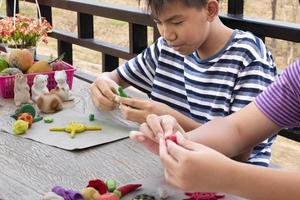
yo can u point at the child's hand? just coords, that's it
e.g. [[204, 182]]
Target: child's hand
[[155, 127], [103, 93], [191, 166]]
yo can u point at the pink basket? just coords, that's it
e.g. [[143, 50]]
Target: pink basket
[[7, 82]]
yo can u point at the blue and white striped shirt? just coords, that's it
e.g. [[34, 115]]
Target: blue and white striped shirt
[[203, 89]]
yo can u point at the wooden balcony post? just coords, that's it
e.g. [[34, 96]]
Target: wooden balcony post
[[46, 11], [66, 48], [85, 25], [10, 7], [236, 8], [138, 39], [109, 63]]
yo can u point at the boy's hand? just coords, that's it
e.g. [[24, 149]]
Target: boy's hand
[[191, 166], [155, 127], [137, 110], [103, 93]]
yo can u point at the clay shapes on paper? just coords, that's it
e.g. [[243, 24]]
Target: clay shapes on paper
[[21, 90], [61, 80], [39, 86], [49, 103]]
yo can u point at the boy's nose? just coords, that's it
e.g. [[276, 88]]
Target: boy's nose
[[169, 35]]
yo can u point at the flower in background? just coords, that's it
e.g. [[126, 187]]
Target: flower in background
[[23, 32]]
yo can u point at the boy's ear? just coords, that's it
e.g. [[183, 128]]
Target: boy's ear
[[213, 9]]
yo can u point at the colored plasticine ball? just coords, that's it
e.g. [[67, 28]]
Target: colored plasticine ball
[[26, 117], [22, 59], [20, 127], [90, 193]]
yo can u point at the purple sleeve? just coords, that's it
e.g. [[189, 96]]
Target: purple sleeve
[[280, 102]]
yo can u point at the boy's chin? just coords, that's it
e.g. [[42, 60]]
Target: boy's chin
[[184, 53]]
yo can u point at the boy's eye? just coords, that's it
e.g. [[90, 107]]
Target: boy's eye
[[157, 22], [177, 22]]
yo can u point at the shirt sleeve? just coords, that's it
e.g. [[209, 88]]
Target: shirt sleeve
[[281, 101], [140, 70], [251, 81]]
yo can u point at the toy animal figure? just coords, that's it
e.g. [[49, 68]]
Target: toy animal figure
[[49, 103], [61, 94], [61, 80], [21, 90], [39, 86]]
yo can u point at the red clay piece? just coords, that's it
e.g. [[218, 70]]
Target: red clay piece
[[203, 196], [98, 185], [125, 189], [172, 137]]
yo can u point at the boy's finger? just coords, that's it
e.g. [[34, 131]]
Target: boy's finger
[[133, 102], [102, 102], [132, 114], [108, 92]]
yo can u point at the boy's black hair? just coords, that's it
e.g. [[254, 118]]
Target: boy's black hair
[[155, 6]]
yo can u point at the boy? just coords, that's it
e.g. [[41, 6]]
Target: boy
[[198, 70], [195, 167]]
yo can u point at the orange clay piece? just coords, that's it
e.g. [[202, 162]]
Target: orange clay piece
[[75, 127], [26, 117]]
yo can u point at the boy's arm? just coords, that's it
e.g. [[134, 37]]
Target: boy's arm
[[241, 130], [255, 182]]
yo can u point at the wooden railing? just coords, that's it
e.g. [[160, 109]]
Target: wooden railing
[[138, 22]]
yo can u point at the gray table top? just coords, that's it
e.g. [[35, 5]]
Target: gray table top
[[30, 169]]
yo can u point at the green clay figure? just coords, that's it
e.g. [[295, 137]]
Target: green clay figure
[[121, 92], [26, 108], [91, 117]]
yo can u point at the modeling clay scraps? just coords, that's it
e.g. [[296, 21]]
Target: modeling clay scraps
[[143, 197], [67, 194], [203, 196], [125, 189], [99, 185], [90, 193]]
